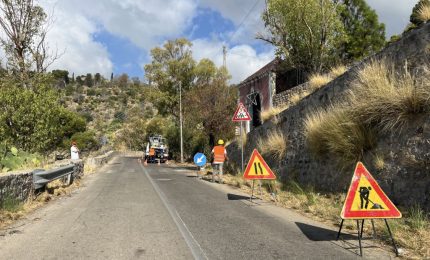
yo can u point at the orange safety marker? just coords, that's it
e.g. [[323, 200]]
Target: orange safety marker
[[365, 199], [257, 168]]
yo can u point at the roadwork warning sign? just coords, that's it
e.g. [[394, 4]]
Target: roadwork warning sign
[[241, 114], [365, 199], [257, 168]]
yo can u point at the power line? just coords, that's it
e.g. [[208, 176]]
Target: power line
[[244, 19], [237, 29]]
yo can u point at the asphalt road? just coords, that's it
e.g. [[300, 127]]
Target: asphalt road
[[130, 211]]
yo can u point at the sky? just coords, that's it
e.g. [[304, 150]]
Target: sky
[[116, 36]]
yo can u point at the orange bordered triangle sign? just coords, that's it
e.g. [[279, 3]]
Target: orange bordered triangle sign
[[365, 199], [257, 168], [241, 114]]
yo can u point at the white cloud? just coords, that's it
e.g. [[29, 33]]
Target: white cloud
[[243, 13], [72, 34], [242, 60], [144, 23]]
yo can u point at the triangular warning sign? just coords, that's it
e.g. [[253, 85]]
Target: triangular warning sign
[[365, 199], [241, 114], [257, 168]]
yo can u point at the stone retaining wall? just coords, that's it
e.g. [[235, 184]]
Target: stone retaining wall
[[406, 174]]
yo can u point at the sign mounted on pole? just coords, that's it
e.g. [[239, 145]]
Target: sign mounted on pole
[[257, 168], [200, 159], [365, 199], [241, 114]]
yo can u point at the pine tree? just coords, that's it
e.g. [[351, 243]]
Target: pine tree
[[414, 16], [365, 35]]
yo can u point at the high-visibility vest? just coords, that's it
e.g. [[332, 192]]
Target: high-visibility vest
[[151, 152], [219, 154]]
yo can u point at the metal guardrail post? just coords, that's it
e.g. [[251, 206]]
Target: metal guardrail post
[[41, 177]]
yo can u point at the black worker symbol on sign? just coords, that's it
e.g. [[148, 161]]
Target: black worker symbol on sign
[[259, 166], [364, 196]]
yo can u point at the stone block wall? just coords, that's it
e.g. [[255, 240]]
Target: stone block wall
[[406, 175], [19, 185], [284, 98]]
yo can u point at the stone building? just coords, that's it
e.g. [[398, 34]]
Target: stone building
[[258, 91]]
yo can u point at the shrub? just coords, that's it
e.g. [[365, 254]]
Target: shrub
[[316, 81], [86, 141], [274, 144], [32, 118], [91, 92]]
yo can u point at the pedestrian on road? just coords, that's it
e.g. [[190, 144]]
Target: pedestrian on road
[[74, 151], [219, 154]]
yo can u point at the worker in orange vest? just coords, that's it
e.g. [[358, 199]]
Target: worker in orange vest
[[219, 156]]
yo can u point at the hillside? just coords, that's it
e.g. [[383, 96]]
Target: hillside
[[108, 106]]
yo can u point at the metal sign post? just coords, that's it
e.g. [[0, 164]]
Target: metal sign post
[[241, 140], [241, 115]]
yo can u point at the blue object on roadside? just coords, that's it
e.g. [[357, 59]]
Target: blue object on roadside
[[199, 159]]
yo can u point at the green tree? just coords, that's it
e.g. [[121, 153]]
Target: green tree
[[364, 34], [33, 119], [414, 16], [205, 72], [208, 107], [97, 79], [306, 33], [79, 80], [89, 80], [122, 81], [171, 65], [61, 75]]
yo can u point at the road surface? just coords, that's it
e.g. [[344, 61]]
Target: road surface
[[130, 211]]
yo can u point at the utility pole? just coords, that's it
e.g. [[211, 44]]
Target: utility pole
[[224, 60], [180, 121]]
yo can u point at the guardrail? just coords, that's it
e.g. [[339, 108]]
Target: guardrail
[[41, 177]]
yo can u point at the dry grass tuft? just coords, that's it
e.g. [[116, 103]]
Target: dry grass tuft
[[337, 71], [380, 102], [274, 144], [386, 100], [272, 112], [335, 132], [316, 81], [379, 162], [424, 13], [295, 98]]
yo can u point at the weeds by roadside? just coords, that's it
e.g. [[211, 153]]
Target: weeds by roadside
[[13, 210], [380, 102], [274, 144]]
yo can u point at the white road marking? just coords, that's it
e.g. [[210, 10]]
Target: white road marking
[[192, 243]]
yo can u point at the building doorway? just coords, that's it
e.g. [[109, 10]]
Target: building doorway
[[256, 110]]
